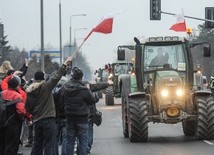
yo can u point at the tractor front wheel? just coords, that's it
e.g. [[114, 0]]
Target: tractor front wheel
[[205, 118], [138, 120], [109, 98]]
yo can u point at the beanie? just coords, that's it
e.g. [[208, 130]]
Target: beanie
[[11, 71], [39, 75], [14, 82], [77, 73]]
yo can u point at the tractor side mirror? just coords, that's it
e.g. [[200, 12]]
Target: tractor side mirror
[[120, 54], [207, 50]]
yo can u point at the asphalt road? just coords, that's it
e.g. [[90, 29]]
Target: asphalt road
[[164, 139]]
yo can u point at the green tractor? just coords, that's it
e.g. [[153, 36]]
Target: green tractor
[[102, 76], [162, 90], [116, 71]]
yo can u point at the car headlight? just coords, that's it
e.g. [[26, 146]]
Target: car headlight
[[179, 92], [164, 93]]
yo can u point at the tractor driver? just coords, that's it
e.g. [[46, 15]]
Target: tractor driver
[[160, 59]]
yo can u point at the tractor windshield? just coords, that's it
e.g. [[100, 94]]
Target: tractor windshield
[[122, 68], [105, 75], [171, 56]]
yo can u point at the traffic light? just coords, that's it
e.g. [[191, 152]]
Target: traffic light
[[209, 14], [155, 9]]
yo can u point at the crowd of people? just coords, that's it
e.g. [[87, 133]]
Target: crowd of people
[[58, 110]]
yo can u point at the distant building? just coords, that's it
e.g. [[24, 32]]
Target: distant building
[[68, 51]]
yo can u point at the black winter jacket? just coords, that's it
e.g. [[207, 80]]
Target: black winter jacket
[[76, 98]]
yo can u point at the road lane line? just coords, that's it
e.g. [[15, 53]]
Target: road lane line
[[208, 142]]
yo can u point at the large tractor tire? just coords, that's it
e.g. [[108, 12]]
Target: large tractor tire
[[124, 114], [188, 127], [109, 96], [138, 120], [205, 118]]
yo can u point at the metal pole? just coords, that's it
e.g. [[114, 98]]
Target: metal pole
[[60, 33], [42, 38], [70, 28], [167, 13]]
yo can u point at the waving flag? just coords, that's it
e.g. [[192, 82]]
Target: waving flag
[[105, 25], [180, 25]]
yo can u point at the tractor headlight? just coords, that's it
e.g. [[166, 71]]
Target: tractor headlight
[[164, 93], [179, 92]]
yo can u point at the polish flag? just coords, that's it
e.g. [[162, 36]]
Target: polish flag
[[105, 25], [180, 25]]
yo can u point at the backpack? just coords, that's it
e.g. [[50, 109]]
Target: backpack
[[96, 118], [3, 112]]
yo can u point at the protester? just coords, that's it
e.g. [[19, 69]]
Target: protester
[[5, 67], [60, 116], [94, 87], [10, 134], [76, 98], [4, 85], [40, 104]]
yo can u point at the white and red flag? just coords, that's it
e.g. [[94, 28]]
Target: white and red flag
[[104, 26], [180, 25]]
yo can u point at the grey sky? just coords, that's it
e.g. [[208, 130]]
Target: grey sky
[[21, 19]]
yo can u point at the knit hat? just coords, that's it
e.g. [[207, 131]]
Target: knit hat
[[14, 82], [39, 75], [11, 71], [77, 73]]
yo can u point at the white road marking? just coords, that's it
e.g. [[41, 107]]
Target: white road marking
[[208, 142]]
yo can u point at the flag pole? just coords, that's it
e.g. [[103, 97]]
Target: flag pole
[[75, 52]]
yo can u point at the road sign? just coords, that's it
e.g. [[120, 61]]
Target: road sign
[[52, 54]]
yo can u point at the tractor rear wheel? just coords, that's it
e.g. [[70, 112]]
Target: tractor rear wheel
[[109, 96], [138, 120], [205, 118], [124, 114]]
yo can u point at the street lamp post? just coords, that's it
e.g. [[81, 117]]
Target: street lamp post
[[60, 32], [42, 36], [70, 28], [75, 33]]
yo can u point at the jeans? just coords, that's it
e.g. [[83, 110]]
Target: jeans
[[45, 137], [90, 135], [79, 131], [30, 134], [64, 135], [59, 135]]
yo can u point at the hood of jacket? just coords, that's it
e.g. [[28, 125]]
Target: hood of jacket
[[34, 88], [73, 87]]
